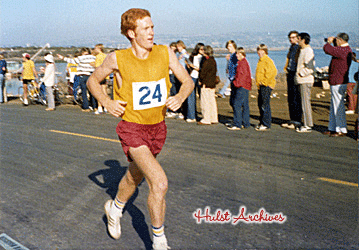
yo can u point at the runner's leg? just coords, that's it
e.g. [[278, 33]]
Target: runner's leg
[[129, 183], [157, 182]]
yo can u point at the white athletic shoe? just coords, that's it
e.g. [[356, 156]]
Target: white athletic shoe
[[304, 129], [113, 222], [233, 127], [170, 115], [26, 102], [160, 243], [262, 128], [180, 116]]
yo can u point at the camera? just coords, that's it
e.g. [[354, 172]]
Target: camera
[[334, 41]]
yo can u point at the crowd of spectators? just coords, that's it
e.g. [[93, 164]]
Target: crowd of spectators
[[202, 67]]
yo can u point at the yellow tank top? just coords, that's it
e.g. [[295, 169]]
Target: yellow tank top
[[28, 73], [145, 85]]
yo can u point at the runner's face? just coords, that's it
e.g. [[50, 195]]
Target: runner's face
[[144, 32]]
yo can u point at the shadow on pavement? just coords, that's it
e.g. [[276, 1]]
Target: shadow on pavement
[[111, 178]]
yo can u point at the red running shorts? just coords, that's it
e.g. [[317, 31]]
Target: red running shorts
[[135, 135]]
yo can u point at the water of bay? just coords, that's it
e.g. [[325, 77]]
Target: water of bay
[[278, 57]]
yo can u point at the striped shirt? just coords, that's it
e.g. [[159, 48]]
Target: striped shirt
[[84, 67]]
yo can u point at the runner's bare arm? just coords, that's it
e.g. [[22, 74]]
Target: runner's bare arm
[[175, 102], [109, 65]]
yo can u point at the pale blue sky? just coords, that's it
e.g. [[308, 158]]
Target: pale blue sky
[[41, 21]]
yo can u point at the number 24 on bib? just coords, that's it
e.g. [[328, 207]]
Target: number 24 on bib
[[149, 94]]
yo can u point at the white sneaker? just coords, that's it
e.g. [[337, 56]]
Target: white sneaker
[[26, 102], [113, 222], [190, 120], [291, 126], [304, 129], [232, 127], [262, 128], [160, 243], [349, 112], [170, 115], [180, 116]]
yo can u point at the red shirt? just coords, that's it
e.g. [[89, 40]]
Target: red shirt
[[340, 63], [243, 77]]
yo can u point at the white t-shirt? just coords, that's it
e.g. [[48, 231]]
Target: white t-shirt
[[196, 62], [49, 76]]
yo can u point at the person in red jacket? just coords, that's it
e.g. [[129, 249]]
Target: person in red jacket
[[240, 88], [338, 78]]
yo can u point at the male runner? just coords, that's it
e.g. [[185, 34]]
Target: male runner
[[141, 100]]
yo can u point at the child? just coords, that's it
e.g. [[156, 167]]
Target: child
[[240, 88]]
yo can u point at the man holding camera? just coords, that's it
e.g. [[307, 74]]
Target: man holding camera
[[338, 78]]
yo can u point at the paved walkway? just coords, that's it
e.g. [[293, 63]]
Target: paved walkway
[[58, 169]]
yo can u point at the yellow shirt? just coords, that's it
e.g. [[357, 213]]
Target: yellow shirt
[[28, 70], [145, 85], [266, 72], [72, 67], [100, 57]]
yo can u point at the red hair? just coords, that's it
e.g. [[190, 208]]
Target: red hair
[[129, 18]]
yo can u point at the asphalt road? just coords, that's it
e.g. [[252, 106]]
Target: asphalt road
[[57, 169]]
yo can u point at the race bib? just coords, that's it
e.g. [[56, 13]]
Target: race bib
[[149, 94]]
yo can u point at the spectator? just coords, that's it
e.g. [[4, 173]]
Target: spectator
[[100, 57], [304, 77], [293, 90], [2, 78], [84, 70], [71, 69], [207, 79], [194, 65], [240, 88], [352, 98], [265, 81], [338, 78], [231, 67], [173, 90], [183, 58], [28, 74], [49, 81]]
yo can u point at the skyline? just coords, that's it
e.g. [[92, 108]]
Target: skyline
[[39, 22]]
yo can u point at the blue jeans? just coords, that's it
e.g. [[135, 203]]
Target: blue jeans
[[43, 91], [294, 99], [191, 103], [240, 107], [85, 103], [265, 114], [75, 87], [225, 86], [2, 86]]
